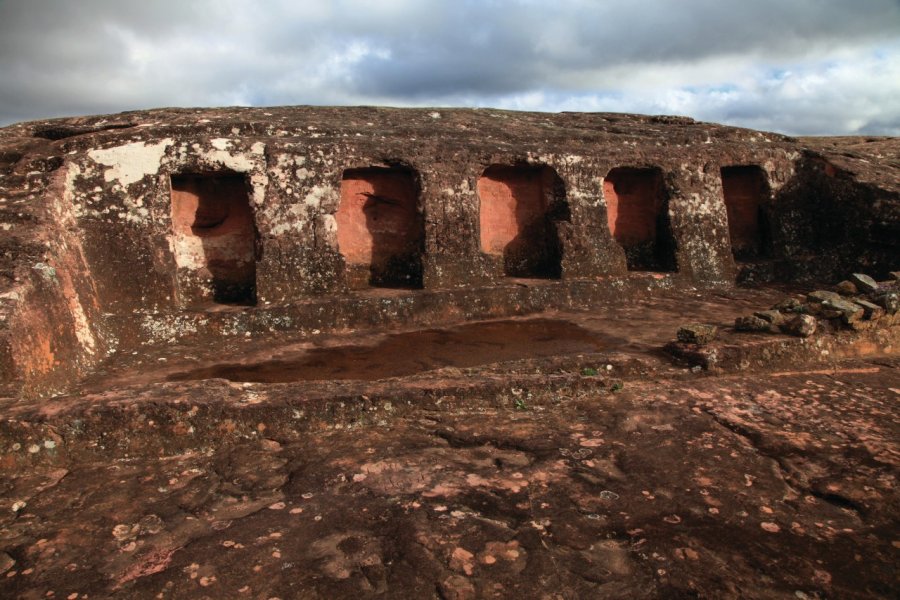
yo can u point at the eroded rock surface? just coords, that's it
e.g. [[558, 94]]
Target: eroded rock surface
[[718, 487], [326, 353], [140, 228]]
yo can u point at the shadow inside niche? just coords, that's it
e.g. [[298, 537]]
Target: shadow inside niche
[[215, 210]]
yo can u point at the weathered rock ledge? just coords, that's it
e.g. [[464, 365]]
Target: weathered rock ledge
[[118, 231]]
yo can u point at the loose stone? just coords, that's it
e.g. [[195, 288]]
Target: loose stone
[[697, 333], [864, 283]]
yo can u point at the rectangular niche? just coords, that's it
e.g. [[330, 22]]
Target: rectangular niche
[[215, 238], [515, 218], [638, 215], [380, 228], [746, 193]]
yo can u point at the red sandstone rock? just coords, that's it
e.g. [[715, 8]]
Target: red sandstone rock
[[214, 236], [747, 197], [637, 212], [104, 203], [379, 226], [207, 390], [515, 220]]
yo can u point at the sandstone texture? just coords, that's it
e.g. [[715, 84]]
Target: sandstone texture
[[121, 227], [697, 333], [362, 352]]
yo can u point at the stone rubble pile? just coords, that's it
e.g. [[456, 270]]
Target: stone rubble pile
[[855, 303]]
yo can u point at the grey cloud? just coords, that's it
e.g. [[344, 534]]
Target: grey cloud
[[544, 41], [59, 57]]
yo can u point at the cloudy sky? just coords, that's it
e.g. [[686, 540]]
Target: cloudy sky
[[794, 66]]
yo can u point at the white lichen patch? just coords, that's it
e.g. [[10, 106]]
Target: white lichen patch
[[47, 272], [329, 225], [169, 329], [579, 196], [132, 162], [293, 220], [703, 205], [73, 172], [258, 182], [284, 164], [75, 203], [317, 194], [221, 143], [239, 162], [462, 190]]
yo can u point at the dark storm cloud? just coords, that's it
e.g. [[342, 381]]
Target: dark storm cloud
[[710, 59]]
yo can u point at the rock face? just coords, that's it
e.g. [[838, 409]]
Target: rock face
[[746, 190], [638, 217], [519, 210], [379, 227], [166, 225], [213, 229], [366, 352]]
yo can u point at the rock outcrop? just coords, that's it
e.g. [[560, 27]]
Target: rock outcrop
[[165, 225]]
